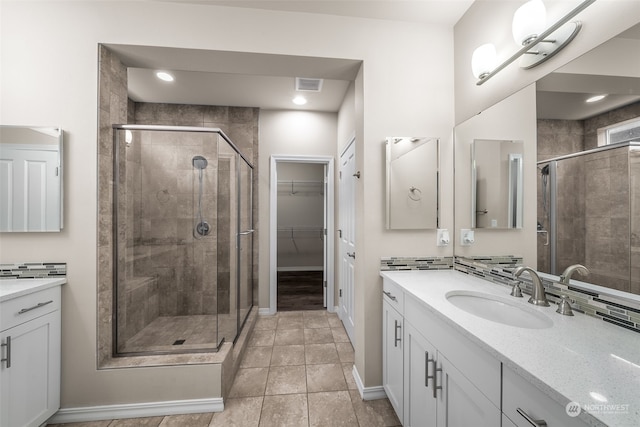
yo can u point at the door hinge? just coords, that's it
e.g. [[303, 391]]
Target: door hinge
[[57, 171], [325, 283], [340, 293], [340, 175], [340, 231]]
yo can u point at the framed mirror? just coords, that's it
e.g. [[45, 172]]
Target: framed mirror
[[497, 188], [412, 182], [31, 179]]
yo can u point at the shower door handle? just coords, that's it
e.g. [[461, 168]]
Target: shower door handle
[[244, 233], [546, 233]]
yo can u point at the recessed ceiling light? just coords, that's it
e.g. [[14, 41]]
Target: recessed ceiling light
[[163, 75], [596, 98], [299, 100]]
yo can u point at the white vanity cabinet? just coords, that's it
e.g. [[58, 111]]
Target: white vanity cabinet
[[30, 367], [527, 406], [437, 389], [393, 346], [449, 381]]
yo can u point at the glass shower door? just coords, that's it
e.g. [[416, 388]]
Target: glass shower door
[[227, 241], [245, 243]]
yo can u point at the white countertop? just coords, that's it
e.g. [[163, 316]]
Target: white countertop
[[13, 288], [576, 356]]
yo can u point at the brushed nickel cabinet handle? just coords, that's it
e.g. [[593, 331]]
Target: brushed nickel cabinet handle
[[436, 387], [38, 305], [535, 423], [397, 340], [390, 295], [8, 358]]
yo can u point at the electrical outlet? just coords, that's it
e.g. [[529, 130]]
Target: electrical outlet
[[443, 238], [467, 237]]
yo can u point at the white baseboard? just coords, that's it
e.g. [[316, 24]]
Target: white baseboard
[[368, 393], [302, 268], [137, 410], [265, 311]]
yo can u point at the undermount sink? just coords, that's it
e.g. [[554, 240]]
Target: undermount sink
[[498, 309]]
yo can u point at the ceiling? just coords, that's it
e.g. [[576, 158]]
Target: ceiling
[[608, 69], [446, 12], [267, 81]]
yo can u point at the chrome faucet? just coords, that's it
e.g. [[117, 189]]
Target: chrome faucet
[[565, 277], [538, 296]]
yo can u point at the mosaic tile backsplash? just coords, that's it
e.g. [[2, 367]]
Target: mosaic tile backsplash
[[611, 309], [416, 263], [33, 270]]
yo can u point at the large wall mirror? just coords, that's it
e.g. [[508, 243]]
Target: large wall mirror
[[588, 174], [30, 179], [412, 182], [586, 192], [497, 183]]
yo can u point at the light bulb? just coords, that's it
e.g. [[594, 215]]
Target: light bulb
[[163, 75], [299, 100], [483, 60], [529, 20]]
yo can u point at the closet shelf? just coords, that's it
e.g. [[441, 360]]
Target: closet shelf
[[300, 232], [298, 187]]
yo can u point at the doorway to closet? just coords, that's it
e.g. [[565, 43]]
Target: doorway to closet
[[301, 247]]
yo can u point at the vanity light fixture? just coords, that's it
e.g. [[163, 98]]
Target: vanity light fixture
[[164, 76], [596, 98], [483, 60], [299, 100], [528, 30]]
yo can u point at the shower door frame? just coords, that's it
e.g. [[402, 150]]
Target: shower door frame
[[165, 128]]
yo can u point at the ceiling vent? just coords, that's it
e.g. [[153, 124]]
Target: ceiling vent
[[308, 85]]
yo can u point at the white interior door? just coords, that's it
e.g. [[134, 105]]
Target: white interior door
[[347, 238], [30, 190]]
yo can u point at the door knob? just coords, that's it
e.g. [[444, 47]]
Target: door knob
[[352, 255]]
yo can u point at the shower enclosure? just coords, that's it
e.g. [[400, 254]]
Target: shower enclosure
[[589, 213], [183, 237]]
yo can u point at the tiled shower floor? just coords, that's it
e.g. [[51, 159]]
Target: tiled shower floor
[[197, 332], [296, 372]]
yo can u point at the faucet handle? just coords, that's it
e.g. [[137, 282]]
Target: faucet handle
[[564, 307], [516, 291]]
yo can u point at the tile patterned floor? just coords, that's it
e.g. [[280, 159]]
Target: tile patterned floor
[[296, 372]]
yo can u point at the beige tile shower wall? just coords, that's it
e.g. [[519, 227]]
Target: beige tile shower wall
[[557, 138], [241, 126], [634, 199], [607, 218], [113, 109]]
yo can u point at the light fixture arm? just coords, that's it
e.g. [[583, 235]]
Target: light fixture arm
[[541, 38]]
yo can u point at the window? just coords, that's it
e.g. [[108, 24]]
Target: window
[[620, 132]]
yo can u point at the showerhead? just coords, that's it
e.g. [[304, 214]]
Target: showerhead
[[199, 162]]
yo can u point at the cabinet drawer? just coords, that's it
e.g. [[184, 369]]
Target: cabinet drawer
[[27, 307], [478, 366], [519, 393], [393, 294]]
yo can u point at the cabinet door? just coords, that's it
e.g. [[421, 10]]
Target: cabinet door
[[30, 387], [419, 403], [459, 402], [392, 357]]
